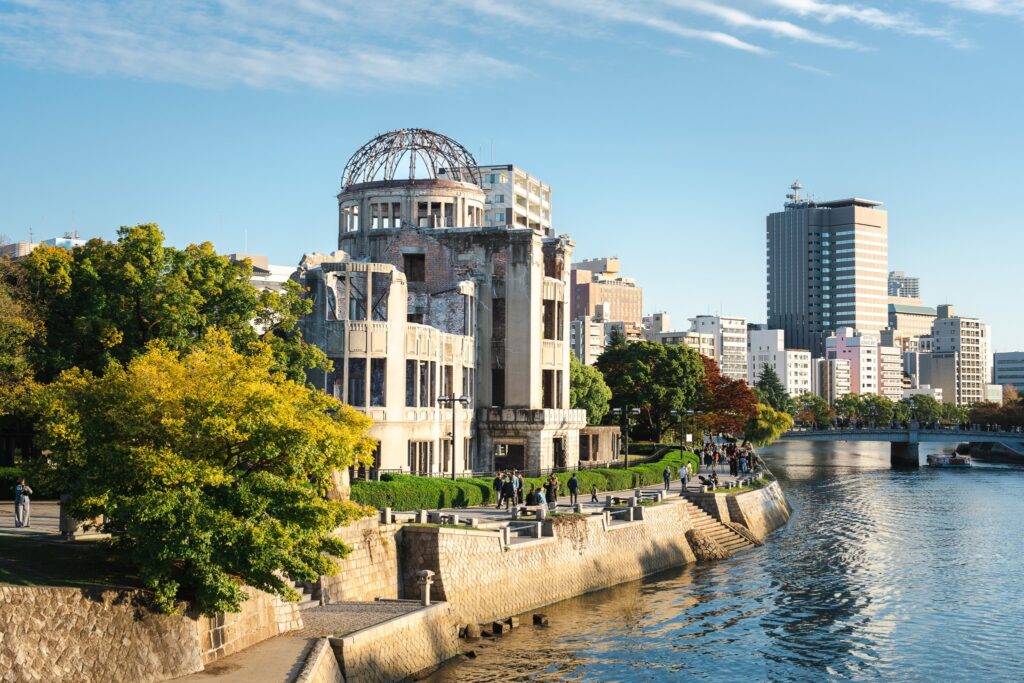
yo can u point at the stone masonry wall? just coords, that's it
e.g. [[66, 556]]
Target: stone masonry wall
[[762, 511], [483, 580], [262, 616], [397, 648], [72, 635], [321, 665], [371, 569]]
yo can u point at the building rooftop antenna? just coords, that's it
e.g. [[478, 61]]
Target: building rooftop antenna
[[796, 187]]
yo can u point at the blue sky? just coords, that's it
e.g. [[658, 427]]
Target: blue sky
[[667, 128]]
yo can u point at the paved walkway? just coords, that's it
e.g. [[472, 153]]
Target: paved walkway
[[489, 513], [343, 618], [45, 519], [275, 660]]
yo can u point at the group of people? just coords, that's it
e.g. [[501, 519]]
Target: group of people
[[739, 459], [509, 486]]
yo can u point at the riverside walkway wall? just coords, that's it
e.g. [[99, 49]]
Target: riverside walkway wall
[[761, 511], [370, 570], [483, 579]]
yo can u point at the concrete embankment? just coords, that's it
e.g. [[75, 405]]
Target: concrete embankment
[[480, 576]]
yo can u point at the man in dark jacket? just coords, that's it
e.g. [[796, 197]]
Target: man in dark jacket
[[574, 486]]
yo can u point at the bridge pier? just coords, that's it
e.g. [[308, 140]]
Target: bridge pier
[[905, 454]]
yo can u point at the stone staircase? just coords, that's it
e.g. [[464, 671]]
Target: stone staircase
[[715, 530], [308, 595]]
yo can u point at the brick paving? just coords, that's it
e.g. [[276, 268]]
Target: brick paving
[[342, 618]]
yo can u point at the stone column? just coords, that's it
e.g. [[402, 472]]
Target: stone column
[[905, 454]]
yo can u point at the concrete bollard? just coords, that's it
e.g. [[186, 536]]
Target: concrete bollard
[[577, 508], [421, 516], [474, 522], [515, 512], [506, 535], [537, 530], [425, 578], [632, 501], [541, 513], [607, 501], [385, 516], [637, 493], [453, 519], [703, 488]]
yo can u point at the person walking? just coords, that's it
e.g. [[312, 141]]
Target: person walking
[[522, 488], [22, 510], [508, 493], [496, 484], [517, 495], [593, 493], [666, 475], [574, 486], [684, 477]]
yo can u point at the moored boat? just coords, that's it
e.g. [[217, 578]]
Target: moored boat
[[948, 460]]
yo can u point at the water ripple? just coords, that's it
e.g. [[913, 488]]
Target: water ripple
[[881, 575]]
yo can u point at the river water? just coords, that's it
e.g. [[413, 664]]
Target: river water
[[880, 575]]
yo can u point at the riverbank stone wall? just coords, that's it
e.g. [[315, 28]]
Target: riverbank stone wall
[[370, 570]]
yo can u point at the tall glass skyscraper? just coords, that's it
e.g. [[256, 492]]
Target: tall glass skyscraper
[[827, 267]]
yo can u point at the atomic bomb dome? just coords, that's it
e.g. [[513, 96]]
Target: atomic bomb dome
[[385, 157]]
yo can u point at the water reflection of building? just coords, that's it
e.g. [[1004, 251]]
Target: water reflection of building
[[421, 301]]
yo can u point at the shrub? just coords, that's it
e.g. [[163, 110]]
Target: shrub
[[409, 492]]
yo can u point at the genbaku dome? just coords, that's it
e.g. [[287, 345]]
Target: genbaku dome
[[430, 296]]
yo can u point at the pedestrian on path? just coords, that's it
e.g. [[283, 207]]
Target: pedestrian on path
[[496, 485], [666, 475], [22, 510], [684, 476], [522, 486], [508, 493], [593, 493], [517, 494], [574, 486]]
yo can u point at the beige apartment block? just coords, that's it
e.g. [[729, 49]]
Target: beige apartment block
[[424, 301], [831, 378], [515, 198]]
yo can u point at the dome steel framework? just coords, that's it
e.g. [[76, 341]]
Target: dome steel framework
[[379, 158]]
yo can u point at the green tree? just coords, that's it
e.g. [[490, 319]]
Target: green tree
[[655, 378], [813, 410], [877, 410], [18, 330], [952, 414], [848, 406], [210, 466], [104, 302], [587, 390], [616, 338], [923, 408], [767, 425], [901, 411], [771, 391]]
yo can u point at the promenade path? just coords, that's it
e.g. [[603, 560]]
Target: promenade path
[[492, 514], [45, 519]]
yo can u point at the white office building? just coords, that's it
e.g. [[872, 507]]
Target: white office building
[[861, 350], [768, 347], [730, 336]]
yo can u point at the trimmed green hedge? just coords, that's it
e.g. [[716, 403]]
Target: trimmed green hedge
[[408, 492]]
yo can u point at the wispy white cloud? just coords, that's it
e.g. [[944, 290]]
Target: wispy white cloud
[[817, 71], [873, 17], [1006, 8]]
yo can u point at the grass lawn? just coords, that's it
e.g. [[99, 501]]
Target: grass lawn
[[28, 561]]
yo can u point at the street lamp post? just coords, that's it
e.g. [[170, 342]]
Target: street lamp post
[[625, 413], [453, 400], [682, 436]]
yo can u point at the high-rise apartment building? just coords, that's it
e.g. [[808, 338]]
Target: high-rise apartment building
[[827, 268], [596, 282], [890, 372], [830, 378], [1008, 369], [908, 323], [587, 338], [767, 347], [730, 335], [657, 328], [515, 199], [903, 286], [967, 338], [861, 350]]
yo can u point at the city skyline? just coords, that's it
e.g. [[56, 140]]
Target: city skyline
[[646, 127]]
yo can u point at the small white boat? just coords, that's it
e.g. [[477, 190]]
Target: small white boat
[[948, 460]]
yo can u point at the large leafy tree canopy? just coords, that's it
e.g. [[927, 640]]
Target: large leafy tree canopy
[[767, 425], [770, 390], [655, 378], [726, 405], [877, 410], [210, 466], [813, 410], [102, 303], [587, 390], [18, 330]]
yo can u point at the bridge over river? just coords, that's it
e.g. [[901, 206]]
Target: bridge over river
[[905, 442]]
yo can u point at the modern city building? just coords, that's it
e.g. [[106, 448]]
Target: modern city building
[[939, 371], [907, 323], [830, 378], [658, 328], [730, 336], [903, 286], [924, 390], [890, 369], [451, 335], [514, 198], [1008, 369], [265, 275], [587, 338], [596, 282], [827, 268], [18, 250], [861, 350], [767, 347], [968, 339]]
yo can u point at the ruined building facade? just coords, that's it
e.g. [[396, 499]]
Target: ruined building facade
[[421, 302]]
